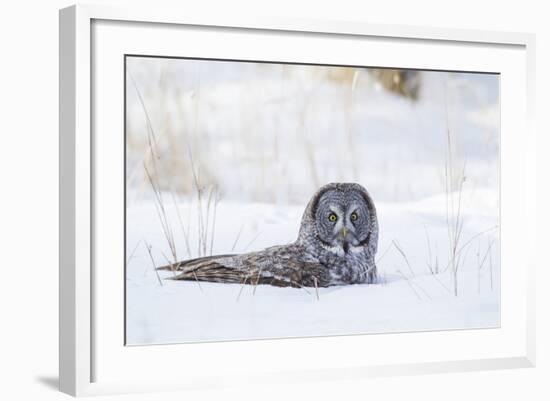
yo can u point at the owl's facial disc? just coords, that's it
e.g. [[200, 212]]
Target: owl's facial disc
[[342, 220]]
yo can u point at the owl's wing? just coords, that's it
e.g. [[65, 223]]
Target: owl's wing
[[281, 266]]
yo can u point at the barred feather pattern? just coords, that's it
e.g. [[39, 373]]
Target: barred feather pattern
[[315, 259]]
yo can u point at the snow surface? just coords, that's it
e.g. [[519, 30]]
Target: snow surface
[[407, 299]]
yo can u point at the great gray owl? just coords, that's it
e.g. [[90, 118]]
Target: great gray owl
[[336, 245]]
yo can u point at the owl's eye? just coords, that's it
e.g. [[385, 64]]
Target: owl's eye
[[332, 217], [354, 216]]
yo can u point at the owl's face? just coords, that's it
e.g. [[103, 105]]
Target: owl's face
[[343, 220]]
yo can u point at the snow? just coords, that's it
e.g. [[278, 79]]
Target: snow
[[405, 300]]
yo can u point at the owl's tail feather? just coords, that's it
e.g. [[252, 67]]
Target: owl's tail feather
[[179, 266], [212, 272], [208, 268], [219, 269]]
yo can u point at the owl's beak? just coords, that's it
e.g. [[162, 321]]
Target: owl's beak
[[344, 232], [345, 242]]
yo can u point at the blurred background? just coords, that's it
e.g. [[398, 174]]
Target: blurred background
[[274, 133]]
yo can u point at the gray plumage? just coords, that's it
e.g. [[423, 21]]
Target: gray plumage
[[336, 245]]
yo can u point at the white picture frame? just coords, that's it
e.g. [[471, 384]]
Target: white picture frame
[[86, 351]]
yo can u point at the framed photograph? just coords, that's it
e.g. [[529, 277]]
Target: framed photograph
[[293, 199]]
